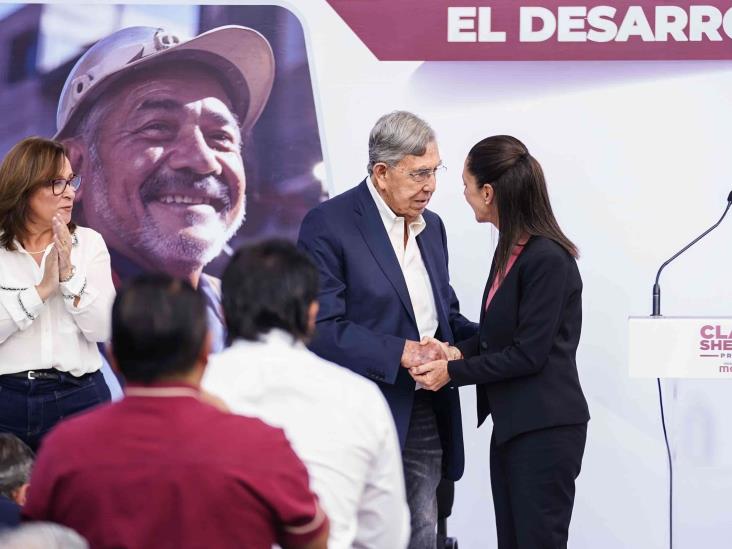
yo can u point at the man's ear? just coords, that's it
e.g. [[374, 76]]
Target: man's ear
[[313, 309], [378, 174], [20, 495], [196, 373], [76, 152], [205, 351]]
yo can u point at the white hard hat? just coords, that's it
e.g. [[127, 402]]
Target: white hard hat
[[241, 55]]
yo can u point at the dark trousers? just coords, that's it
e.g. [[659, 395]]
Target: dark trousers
[[422, 459], [532, 479], [29, 408]]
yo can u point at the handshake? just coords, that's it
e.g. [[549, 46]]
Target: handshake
[[427, 361]]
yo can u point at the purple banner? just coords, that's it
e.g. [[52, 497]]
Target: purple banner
[[448, 30]]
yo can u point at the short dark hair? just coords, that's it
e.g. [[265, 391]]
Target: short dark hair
[[16, 460], [159, 326], [268, 285]]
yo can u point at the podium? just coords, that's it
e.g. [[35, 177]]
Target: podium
[[680, 347]]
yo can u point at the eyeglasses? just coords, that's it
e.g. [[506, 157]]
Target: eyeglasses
[[422, 175], [58, 186]]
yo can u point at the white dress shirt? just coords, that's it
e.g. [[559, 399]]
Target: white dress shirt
[[410, 260], [56, 334], [338, 424]]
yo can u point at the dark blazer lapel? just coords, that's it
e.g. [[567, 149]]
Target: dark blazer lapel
[[494, 274], [428, 258], [374, 233]]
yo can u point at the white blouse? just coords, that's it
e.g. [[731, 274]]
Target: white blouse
[[35, 335]]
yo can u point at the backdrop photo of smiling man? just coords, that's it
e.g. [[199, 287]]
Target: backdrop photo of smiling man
[[154, 125], [384, 285]]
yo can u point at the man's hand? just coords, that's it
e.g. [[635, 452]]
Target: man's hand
[[416, 353], [449, 352], [432, 376]]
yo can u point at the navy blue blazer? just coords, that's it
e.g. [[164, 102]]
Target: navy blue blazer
[[365, 311], [523, 359]]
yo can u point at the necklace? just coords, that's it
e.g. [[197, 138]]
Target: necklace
[[74, 242], [34, 253]]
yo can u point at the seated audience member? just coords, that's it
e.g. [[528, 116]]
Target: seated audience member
[[178, 472], [338, 422], [16, 460], [55, 294], [42, 535]]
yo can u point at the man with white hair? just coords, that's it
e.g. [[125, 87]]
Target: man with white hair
[[154, 125], [384, 285]]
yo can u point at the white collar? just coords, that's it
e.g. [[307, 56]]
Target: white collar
[[274, 338], [388, 217]]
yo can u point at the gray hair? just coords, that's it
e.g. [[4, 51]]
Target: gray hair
[[16, 460], [42, 535], [91, 122], [396, 135]]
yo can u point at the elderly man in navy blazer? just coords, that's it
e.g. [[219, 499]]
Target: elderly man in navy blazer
[[383, 265]]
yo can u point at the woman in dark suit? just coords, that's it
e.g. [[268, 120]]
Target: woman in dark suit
[[522, 361]]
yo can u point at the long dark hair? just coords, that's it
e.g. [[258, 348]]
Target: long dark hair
[[30, 164], [520, 191]]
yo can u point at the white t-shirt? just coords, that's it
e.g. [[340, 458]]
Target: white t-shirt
[[337, 422], [56, 334]]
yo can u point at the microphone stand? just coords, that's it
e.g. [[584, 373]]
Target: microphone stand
[[656, 287], [657, 313]]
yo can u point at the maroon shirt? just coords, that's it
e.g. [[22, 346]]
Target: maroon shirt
[[172, 471]]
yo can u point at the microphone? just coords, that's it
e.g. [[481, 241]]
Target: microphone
[[656, 287]]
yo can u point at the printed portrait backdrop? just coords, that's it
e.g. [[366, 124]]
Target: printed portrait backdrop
[[166, 191]]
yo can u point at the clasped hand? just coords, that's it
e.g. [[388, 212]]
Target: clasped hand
[[427, 362], [62, 242], [58, 262]]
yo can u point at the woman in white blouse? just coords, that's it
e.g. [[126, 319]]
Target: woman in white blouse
[[56, 294]]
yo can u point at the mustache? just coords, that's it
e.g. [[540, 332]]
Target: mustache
[[187, 183]]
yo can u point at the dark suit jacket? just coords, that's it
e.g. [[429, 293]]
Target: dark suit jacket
[[365, 311], [522, 360], [9, 513]]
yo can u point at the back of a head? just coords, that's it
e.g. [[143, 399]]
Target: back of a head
[[42, 535], [159, 327], [269, 285], [16, 461]]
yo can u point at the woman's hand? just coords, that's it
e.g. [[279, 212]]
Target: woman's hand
[[49, 282], [62, 243], [432, 375], [450, 352]]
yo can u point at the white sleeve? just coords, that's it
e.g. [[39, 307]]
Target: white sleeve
[[92, 283], [18, 310], [383, 516]]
